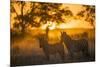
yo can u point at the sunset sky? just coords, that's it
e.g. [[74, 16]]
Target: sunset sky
[[72, 23]]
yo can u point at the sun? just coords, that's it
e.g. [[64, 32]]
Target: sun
[[52, 25], [49, 24]]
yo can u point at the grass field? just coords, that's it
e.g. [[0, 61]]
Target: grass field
[[25, 48]]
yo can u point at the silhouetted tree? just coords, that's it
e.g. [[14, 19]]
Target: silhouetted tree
[[20, 17], [38, 14], [88, 13]]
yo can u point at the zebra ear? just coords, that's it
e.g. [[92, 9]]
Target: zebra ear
[[64, 32], [61, 32]]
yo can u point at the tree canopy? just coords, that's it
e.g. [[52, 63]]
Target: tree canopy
[[37, 14], [88, 13]]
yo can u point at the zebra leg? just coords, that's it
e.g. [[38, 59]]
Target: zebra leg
[[47, 57], [62, 54], [86, 50], [86, 53], [71, 55]]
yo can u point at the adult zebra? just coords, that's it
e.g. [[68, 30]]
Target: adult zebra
[[51, 49], [75, 46]]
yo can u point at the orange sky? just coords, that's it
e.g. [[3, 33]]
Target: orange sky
[[75, 8], [71, 24]]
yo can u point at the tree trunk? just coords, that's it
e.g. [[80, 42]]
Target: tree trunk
[[22, 18]]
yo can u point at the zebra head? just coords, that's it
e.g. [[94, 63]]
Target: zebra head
[[65, 36]]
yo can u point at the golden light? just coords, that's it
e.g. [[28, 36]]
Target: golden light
[[69, 22], [75, 24], [72, 24], [51, 25], [44, 26]]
